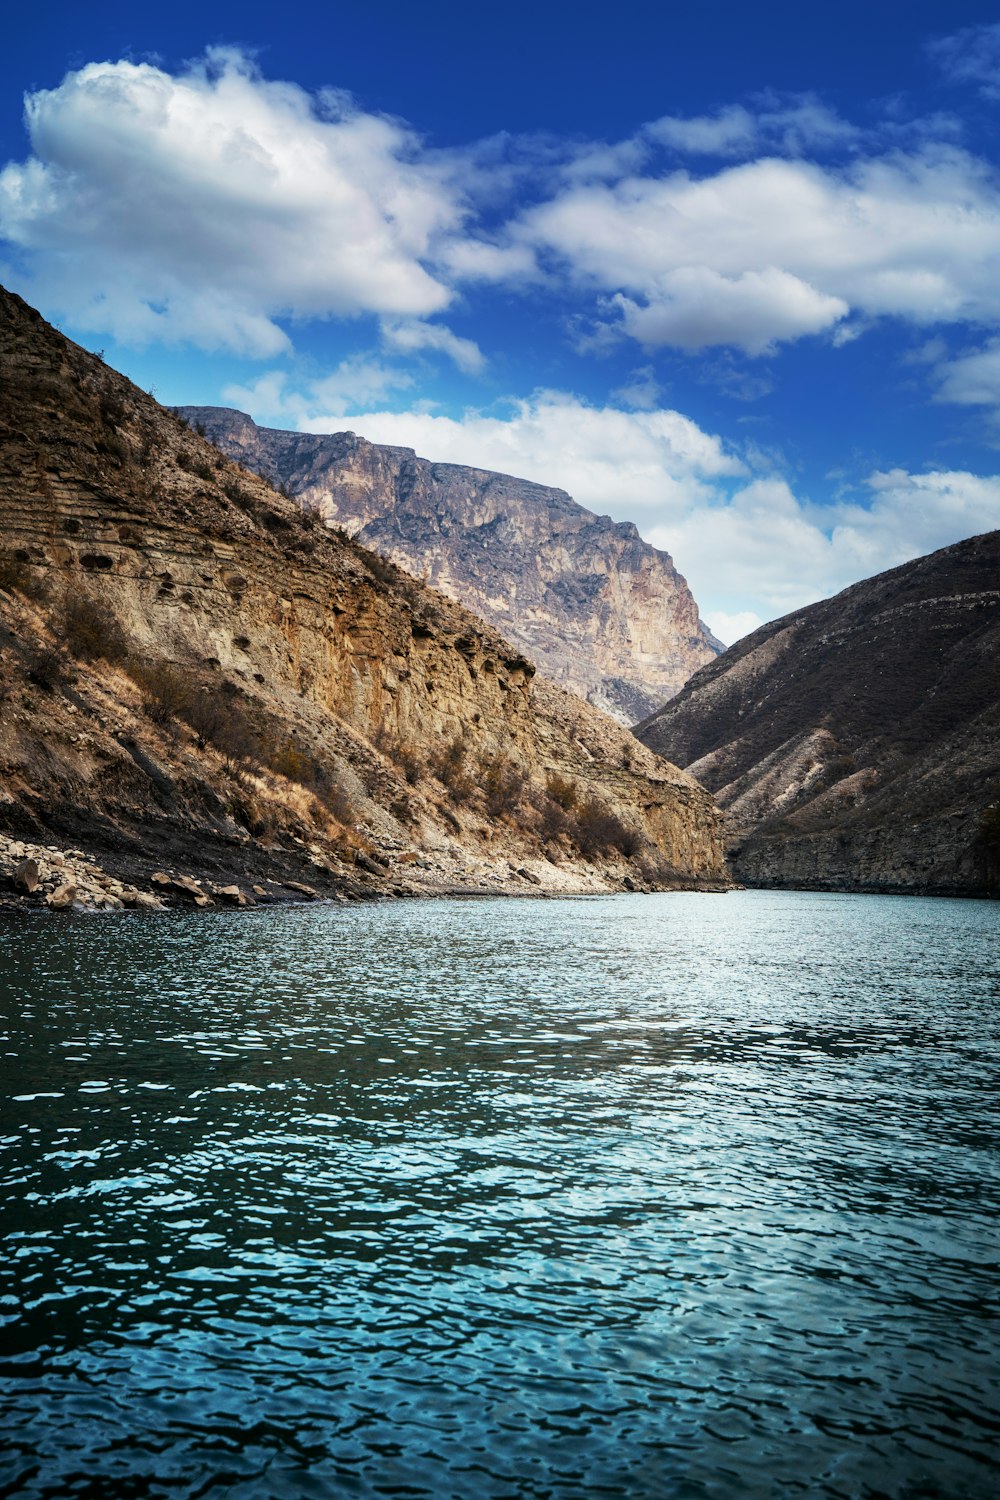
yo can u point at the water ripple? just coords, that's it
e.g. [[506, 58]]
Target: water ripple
[[684, 1196]]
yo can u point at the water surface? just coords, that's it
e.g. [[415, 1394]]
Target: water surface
[[683, 1195]]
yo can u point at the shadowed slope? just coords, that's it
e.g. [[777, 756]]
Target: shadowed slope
[[856, 743]]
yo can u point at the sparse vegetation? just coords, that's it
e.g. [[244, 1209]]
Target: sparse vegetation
[[46, 667], [16, 575], [166, 691], [552, 823], [562, 791], [91, 632], [597, 830], [402, 754], [502, 784], [450, 765]]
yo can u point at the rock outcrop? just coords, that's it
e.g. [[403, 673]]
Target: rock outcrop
[[601, 611], [855, 745], [201, 682]]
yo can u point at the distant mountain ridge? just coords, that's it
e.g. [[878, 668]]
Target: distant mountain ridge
[[601, 611], [856, 743]]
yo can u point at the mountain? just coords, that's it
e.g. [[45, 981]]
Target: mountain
[[856, 744], [600, 610], [202, 684]]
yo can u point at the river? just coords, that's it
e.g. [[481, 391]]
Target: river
[[638, 1196]]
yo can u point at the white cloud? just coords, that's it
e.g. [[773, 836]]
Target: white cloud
[[766, 552], [790, 126], [730, 628], [971, 55], [972, 379], [694, 307], [202, 207], [215, 206], [774, 249], [623, 463], [411, 335], [911, 514], [642, 391], [272, 398]]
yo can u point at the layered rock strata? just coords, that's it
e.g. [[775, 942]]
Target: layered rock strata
[[855, 745], [199, 681], [601, 611]]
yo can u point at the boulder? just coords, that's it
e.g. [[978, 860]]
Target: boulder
[[146, 901], [62, 897], [232, 894], [26, 876]]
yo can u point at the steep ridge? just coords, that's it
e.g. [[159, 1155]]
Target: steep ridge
[[600, 610], [856, 744], [199, 680]]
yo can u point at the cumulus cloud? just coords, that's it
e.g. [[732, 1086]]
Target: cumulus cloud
[[624, 463], [764, 551], [774, 248], [274, 399], [217, 207], [411, 335], [204, 206], [694, 307], [973, 378]]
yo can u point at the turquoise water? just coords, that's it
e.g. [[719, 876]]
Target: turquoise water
[[681, 1195]]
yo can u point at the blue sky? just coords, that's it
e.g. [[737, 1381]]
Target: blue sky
[[729, 272]]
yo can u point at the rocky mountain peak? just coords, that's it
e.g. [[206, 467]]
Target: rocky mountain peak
[[601, 611]]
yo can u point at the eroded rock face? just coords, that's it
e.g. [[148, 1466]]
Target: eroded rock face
[[597, 608], [200, 681], [856, 744]]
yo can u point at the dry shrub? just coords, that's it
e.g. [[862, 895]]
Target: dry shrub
[[166, 691], [562, 791], [551, 821], [46, 666], [91, 632], [17, 574], [295, 764], [502, 784], [409, 760], [597, 830], [450, 765]]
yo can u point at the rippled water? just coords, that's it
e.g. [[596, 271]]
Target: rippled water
[[669, 1196]]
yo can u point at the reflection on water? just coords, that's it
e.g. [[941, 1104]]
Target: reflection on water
[[636, 1196]]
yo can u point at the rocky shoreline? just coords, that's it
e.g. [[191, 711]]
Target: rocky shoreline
[[47, 878]]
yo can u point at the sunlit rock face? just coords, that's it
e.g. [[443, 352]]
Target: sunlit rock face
[[600, 610], [197, 675], [856, 744]]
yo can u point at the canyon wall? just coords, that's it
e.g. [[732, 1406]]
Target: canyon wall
[[601, 611], [192, 668]]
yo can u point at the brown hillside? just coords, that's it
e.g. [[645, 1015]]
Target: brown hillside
[[197, 678], [856, 743]]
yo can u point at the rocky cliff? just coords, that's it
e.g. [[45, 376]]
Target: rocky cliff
[[856, 744], [205, 690], [599, 609]]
